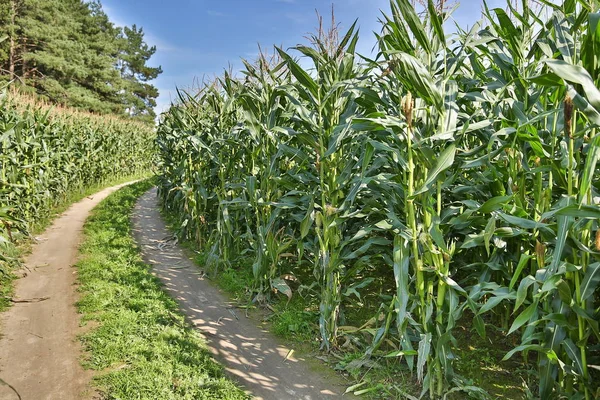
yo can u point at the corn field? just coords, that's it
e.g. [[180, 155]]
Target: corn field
[[48, 154], [454, 175]]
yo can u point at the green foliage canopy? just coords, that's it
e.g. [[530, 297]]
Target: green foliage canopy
[[69, 52]]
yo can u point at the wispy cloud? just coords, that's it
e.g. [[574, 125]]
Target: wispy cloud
[[114, 17], [214, 13], [296, 17], [149, 37], [162, 45]]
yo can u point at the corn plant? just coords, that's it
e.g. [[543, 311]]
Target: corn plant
[[458, 169], [48, 154]]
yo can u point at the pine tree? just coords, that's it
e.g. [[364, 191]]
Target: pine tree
[[71, 53], [140, 96]]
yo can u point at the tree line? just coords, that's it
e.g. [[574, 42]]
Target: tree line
[[69, 52]]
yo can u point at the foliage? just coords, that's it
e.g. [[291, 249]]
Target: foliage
[[139, 95], [69, 52], [291, 320], [47, 154], [460, 167], [142, 345]]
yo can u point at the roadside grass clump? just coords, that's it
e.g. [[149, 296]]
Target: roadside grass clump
[[235, 282], [141, 345], [11, 255], [448, 184], [291, 320]]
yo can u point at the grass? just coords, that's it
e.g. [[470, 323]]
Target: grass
[[24, 243], [295, 323], [7, 276], [139, 342], [234, 281], [76, 195]]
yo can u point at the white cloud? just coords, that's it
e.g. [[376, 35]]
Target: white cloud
[[162, 45]]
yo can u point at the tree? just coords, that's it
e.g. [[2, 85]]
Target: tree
[[9, 12], [140, 96], [71, 53]]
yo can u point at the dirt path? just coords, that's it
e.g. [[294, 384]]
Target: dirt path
[[251, 355], [39, 353]]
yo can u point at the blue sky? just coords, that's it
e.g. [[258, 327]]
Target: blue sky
[[199, 38]]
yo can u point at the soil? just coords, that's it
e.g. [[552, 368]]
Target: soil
[[39, 351], [252, 356]]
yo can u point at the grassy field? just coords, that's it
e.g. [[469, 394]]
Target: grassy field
[[139, 343]]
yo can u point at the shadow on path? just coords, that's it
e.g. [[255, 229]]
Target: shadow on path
[[251, 355]]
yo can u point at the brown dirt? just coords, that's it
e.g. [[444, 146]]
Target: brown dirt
[[252, 356], [39, 351]]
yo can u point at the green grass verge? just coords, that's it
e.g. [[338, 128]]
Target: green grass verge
[[141, 345], [7, 275], [22, 245]]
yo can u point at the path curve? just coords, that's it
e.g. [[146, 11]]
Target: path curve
[[39, 351], [253, 356]]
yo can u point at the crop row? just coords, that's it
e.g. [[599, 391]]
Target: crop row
[[48, 155], [453, 179]]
